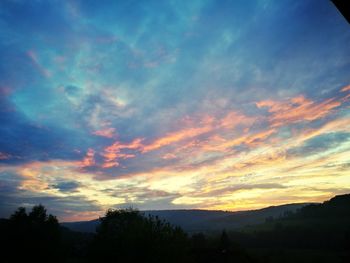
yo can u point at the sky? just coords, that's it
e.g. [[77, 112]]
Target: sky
[[230, 105]]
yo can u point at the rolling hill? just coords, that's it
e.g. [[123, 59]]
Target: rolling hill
[[204, 220]]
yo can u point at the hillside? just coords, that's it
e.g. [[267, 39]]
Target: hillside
[[204, 220], [315, 233]]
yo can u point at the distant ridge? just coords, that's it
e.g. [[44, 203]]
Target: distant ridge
[[196, 220]]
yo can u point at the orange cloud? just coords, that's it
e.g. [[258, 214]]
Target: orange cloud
[[297, 109], [117, 146], [208, 137], [89, 159], [218, 143], [346, 88], [110, 163], [232, 119], [176, 137], [207, 124], [113, 152], [198, 136]]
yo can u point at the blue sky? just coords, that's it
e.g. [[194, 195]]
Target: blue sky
[[172, 104]]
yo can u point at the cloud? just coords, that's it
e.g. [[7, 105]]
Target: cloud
[[108, 133], [89, 159], [207, 138], [346, 88], [24, 141], [67, 186], [297, 109], [12, 195], [71, 90], [4, 156], [320, 143], [206, 124], [240, 187], [175, 137], [141, 196], [113, 153]]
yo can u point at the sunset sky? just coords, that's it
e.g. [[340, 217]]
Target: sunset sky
[[231, 105]]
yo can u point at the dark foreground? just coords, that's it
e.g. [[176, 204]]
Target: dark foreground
[[314, 233]]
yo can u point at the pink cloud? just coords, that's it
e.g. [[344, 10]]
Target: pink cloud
[[200, 136], [176, 136], [108, 133], [89, 159], [4, 156], [346, 88]]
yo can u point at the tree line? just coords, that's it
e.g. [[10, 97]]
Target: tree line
[[315, 233], [123, 235]]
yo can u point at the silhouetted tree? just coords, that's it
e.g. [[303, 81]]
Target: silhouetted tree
[[32, 237], [126, 235], [20, 215]]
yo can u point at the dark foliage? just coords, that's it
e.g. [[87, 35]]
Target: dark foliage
[[315, 233], [128, 236], [124, 235], [34, 236]]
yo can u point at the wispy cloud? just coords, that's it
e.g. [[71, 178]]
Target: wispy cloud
[[108, 133], [297, 109]]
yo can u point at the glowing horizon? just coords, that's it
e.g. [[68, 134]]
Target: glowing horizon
[[200, 105]]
